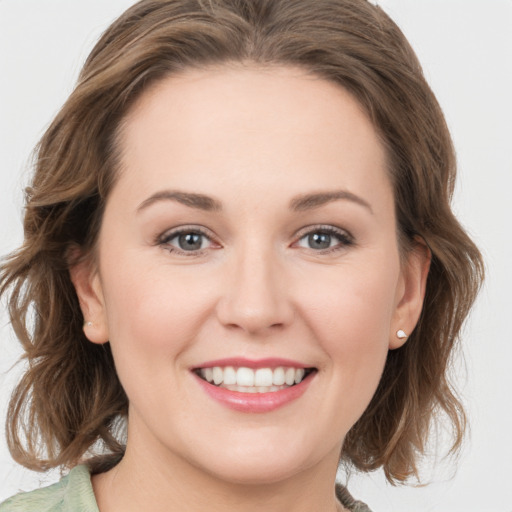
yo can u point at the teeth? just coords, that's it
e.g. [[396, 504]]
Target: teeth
[[299, 375], [208, 374], [229, 376], [278, 377], [289, 376], [247, 380], [255, 389], [218, 375], [263, 377], [245, 377]]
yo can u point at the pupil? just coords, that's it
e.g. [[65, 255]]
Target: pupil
[[190, 241], [320, 240]]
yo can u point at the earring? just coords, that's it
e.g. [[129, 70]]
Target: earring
[[401, 334], [88, 324]]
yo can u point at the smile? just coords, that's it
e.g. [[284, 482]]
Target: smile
[[248, 380], [251, 386]]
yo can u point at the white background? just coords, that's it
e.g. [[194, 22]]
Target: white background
[[465, 47]]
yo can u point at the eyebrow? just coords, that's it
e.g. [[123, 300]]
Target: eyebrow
[[198, 201], [312, 201], [206, 203]]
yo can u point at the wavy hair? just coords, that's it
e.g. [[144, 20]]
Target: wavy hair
[[70, 399]]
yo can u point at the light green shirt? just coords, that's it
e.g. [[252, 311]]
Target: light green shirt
[[71, 494], [74, 494]]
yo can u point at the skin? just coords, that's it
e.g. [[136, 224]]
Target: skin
[[254, 139]]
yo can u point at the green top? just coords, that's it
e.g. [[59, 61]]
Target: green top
[[74, 494]]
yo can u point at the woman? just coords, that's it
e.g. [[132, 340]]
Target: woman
[[239, 245]]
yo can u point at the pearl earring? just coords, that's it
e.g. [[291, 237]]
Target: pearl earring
[[401, 334], [88, 324]]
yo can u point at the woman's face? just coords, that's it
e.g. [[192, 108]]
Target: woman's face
[[250, 239]]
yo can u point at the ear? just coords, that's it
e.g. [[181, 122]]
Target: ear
[[410, 292], [87, 283]]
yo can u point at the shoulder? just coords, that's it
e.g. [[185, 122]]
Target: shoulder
[[71, 494]]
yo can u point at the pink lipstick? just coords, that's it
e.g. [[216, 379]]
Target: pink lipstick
[[254, 386]]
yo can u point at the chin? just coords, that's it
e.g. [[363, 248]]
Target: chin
[[257, 473], [257, 464]]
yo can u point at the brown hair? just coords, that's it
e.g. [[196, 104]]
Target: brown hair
[[70, 397]]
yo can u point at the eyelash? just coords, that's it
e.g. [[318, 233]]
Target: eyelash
[[344, 238], [165, 239]]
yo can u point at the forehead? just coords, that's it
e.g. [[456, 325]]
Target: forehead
[[232, 127]]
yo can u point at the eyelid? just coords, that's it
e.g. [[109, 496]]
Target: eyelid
[[345, 237], [168, 235], [178, 230], [323, 227]]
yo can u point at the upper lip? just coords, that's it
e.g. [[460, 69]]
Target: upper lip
[[268, 362]]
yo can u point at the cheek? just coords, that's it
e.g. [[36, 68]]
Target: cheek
[[353, 309], [351, 317], [153, 318], [153, 312]]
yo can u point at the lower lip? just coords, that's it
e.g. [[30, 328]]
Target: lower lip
[[255, 402]]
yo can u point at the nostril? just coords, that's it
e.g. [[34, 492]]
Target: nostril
[[254, 301], [253, 321]]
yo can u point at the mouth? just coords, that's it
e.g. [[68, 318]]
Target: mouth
[[250, 380]]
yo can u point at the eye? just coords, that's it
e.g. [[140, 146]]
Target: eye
[[189, 241], [325, 239], [184, 240]]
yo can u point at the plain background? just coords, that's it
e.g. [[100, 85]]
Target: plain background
[[465, 47]]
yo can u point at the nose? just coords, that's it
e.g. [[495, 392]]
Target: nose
[[255, 296]]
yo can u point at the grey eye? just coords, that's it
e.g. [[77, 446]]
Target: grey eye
[[190, 241], [319, 240]]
